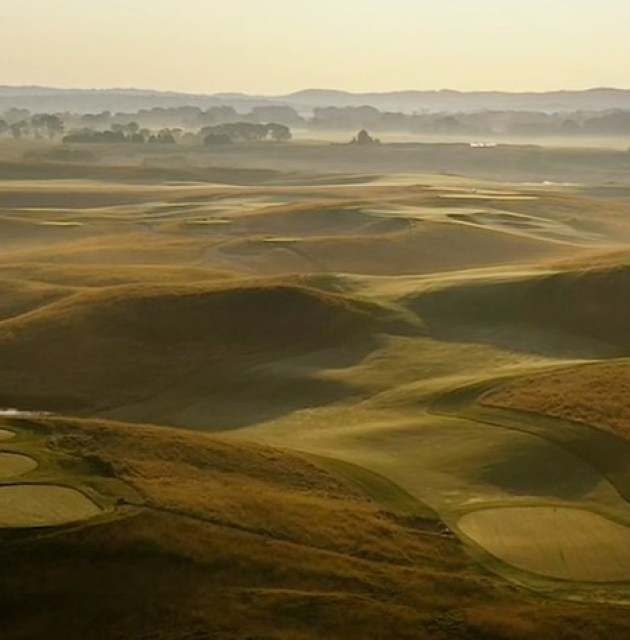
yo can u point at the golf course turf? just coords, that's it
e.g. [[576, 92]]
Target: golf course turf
[[362, 404]]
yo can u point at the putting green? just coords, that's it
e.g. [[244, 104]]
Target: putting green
[[558, 542], [14, 464], [43, 506], [5, 434]]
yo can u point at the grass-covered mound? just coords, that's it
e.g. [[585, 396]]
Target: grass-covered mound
[[116, 345], [597, 395], [586, 304]]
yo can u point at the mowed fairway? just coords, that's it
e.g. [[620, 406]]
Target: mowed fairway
[[43, 506], [557, 542]]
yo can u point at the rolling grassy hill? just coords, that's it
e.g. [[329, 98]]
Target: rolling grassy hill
[[595, 395], [117, 345], [583, 304]]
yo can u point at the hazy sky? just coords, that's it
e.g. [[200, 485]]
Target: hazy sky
[[274, 46]]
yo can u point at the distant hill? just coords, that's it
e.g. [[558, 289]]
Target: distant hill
[[94, 100]]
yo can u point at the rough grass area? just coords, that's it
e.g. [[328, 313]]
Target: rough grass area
[[596, 395]]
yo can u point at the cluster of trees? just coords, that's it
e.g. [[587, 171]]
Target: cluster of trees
[[211, 135], [119, 133], [364, 139], [224, 124], [244, 132], [189, 118], [20, 124], [481, 122]]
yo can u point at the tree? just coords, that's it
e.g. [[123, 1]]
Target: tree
[[365, 139], [165, 136], [52, 125], [237, 131], [37, 124], [279, 132], [4, 127], [131, 128], [18, 129]]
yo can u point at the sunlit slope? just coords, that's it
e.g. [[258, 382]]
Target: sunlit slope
[[279, 546], [387, 225], [597, 395], [117, 345], [20, 296], [430, 247]]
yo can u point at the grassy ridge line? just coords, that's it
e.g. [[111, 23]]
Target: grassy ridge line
[[604, 452], [595, 395], [381, 489]]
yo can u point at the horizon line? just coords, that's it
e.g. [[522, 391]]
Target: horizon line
[[309, 90]]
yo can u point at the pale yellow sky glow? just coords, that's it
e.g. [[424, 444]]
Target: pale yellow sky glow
[[279, 46]]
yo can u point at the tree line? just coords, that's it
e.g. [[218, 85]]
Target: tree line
[[209, 136], [40, 125], [223, 124], [52, 126]]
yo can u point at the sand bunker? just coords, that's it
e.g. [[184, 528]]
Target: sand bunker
[[43, 506], [565, 543], [6, 435], [486, 196], [18, 413], [60, 223], [14, 464]]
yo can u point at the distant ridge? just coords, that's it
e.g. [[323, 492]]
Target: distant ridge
[[38, 98]]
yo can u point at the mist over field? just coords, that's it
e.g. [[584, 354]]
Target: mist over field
[[298, 344]]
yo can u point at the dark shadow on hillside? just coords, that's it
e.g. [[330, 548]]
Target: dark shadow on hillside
[[581, 314], [540, 469], [238, 398], [255, 399]]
